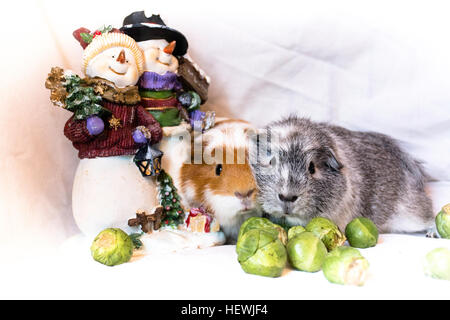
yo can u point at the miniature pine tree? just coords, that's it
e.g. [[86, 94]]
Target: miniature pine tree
[[169, 200], [82, 101]]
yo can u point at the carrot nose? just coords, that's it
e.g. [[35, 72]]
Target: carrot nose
[[170, 47], [121, 57]]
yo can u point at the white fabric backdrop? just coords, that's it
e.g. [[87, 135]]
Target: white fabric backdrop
[[382, 66]]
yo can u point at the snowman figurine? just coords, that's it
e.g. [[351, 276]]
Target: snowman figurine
[[108, 186], [172, 87], [160, 86]]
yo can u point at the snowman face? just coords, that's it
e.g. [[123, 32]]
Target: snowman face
[[115, 64], [155, 59]]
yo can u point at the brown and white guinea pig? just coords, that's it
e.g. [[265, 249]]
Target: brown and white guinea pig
[[219, 177]]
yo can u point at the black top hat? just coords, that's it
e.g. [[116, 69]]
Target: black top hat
[[141, 28]]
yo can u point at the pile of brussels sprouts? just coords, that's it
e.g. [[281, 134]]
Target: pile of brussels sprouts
[[264, 248]]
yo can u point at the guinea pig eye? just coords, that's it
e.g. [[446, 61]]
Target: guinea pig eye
[[273, 162], [311, 168], [218, 169]]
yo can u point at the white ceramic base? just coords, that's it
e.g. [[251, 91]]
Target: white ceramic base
[[108, 191]]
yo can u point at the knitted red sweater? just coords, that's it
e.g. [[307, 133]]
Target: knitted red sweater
[[112, 142]]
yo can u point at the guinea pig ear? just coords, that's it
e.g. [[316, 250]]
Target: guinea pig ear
[[331, 160]]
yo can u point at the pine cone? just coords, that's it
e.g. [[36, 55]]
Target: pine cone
[[54, 83]]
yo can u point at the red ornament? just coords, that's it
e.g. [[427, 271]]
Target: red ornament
[[174, 200], [96, 33], [166, 222], [167, 208]]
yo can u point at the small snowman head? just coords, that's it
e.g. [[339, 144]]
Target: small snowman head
[[159, 43], [158, 56], [115, 57]]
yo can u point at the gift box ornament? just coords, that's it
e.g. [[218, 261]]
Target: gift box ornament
[[199, 220], [148, 161]]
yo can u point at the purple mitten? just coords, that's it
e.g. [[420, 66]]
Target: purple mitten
[[139, 137], [95, 125], [196, 120]]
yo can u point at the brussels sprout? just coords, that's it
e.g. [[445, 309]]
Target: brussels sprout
[[112, 247], [327, 231], [262, 223], [254, 223], [437, 264], [345, 265], [443, 222], [293, 231], [261, 252], [282, 234], [306, 252], [361, 233]]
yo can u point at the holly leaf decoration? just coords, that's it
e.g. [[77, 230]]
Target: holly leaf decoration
[[86, 37], [106, 29]]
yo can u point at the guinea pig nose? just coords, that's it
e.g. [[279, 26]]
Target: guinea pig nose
[[244, 194], [287, 198], [250, 193]]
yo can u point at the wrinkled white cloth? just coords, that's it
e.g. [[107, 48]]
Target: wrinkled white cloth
[[369, 66]]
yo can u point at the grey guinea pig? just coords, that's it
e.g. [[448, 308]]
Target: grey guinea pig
[[318, 169]]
